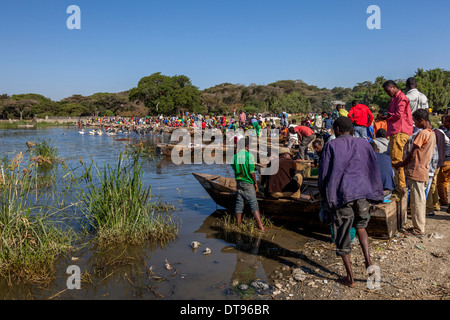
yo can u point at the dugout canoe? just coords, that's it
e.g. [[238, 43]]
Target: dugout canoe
[[385, 219], [304, 209], [167, 149]]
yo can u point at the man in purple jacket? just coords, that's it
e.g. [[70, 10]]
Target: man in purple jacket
[[349, 179]]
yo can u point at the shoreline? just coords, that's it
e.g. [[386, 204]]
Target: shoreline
[[411, 268]]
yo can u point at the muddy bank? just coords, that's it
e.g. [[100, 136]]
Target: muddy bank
[[411, 268]]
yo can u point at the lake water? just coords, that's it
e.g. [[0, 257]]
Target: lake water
[[138, 272]]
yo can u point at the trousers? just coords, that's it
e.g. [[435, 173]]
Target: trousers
[[396, 144], [442, 182], [418, 203]]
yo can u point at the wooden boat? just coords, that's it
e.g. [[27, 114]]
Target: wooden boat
[[200, 151], [25, 126], [304, 209], [385, 219], [168, 148]]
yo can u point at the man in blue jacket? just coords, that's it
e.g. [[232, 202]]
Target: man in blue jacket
[[349, 180]]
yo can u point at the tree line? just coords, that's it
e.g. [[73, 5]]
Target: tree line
[[172, 95]]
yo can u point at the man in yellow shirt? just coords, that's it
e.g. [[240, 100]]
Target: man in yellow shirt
[[343, 112]]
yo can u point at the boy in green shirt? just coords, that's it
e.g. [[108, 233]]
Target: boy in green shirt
[[243, 165], [257, 127]]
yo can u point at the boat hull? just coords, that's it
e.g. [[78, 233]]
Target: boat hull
[[385, 219]]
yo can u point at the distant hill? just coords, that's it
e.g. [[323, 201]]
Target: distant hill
[[293, 96]]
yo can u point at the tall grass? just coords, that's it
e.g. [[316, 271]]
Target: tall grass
[[29, 177], [117, 204], [30, 240], [45, 153], [15, 124]]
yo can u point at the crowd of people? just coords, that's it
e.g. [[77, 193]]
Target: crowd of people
[[361, 160]]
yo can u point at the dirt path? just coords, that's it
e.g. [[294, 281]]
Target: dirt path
[[411, 268]]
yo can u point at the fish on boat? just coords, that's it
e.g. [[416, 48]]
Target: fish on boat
[[385, 219]]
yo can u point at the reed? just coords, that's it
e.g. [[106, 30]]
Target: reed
[[141, 148], [30, 239], [248, 224], [24, 177], [117, 204], [44, 153]]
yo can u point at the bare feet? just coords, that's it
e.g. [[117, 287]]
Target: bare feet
[[346, 282]]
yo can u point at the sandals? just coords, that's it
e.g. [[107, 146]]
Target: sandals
[[414, 234]]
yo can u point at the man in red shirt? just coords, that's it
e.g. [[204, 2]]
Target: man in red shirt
[[399, 128], [361, 117], [305, 137]]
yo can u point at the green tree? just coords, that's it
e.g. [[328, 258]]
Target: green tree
[[103, 103], [291, 103], [167, 95], [20, 104], [72, 110], [372, 94], [435, 84], [40, 104]]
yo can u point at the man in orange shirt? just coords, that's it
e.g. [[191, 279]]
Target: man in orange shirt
[[380, 123], [420, 148]]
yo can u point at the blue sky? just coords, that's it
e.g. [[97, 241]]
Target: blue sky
[[324, 43]]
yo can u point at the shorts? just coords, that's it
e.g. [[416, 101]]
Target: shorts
[[245, 191], [353, 214]]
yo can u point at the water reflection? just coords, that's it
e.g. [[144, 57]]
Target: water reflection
[[138, 272], [257, 257]]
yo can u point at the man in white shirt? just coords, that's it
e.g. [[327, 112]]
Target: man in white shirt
[[417, 99], [318, 123], [293, 137]]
